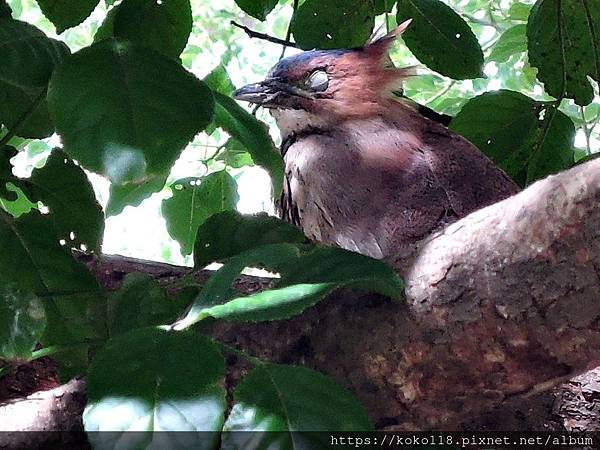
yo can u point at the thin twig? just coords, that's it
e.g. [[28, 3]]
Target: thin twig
[[441, 93], [485, 23], [263, 36], [586, 131], [288, 34]]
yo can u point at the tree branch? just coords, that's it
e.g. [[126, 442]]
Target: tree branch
[[501, 305], [263, 36]]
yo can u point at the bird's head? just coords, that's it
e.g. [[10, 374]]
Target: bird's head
[[319, 86]]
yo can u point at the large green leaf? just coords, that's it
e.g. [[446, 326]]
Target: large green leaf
[[154, 380], [5, 11], [318, 24], [22, 322], [67, 13], [252, 134], [28, 58], [308, 274], [32, 259], [65, 189], [441, 39], [126, 111], [513, 40], [563, 38], [140, 302], [285, 400], [163, 26], [132, 194], [25, 111], [194, 200], [259, 9], [528, 139], [230, 233]]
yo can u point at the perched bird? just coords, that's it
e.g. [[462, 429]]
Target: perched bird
[[367, 170]]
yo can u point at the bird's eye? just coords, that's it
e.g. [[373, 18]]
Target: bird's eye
[[318, 81]]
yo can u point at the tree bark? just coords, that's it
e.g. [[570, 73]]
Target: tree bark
[[500, 307]]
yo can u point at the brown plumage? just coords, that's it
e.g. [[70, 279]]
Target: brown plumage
[[364, 169]]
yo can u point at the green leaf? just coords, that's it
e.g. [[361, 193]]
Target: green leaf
[[519, 11], [65, 189], [252, 134], [18, 203], [28, 58], [154, 380], [140, 302], [32, 259], [288, 399], [67, 13], [25, 111], [163, 26], [5, 11], [132, 194], [563, 38], [316, 24], [106, 28], [235, 155], [22, 322], [528, 139], [259, 9], [513, 40], [218, 80], [125, 111], [6, 175], [194, 200], [230, 233], [307, 273], [441, 39], [383, 6]]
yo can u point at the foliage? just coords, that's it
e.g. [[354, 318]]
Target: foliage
[[124, 97]]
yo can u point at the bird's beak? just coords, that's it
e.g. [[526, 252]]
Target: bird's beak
[[257, 93], [269, 93]]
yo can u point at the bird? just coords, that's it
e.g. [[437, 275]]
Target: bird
[[365, 169]]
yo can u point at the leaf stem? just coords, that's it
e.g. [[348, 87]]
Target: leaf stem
[[263, 36], [242, 354], [54, 349], [22, 119]]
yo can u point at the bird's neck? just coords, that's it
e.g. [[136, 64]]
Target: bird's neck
[[296, 122], [293, 122]]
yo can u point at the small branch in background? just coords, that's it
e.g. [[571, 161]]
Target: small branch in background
[[288, 34], [586, 131], [263, 36], [441, 93], [387, 22], [485, 23]]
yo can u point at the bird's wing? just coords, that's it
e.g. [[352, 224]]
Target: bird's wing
[[469, 178], [371, 193]]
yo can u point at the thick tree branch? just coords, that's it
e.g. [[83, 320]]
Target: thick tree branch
[[501, 305]]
